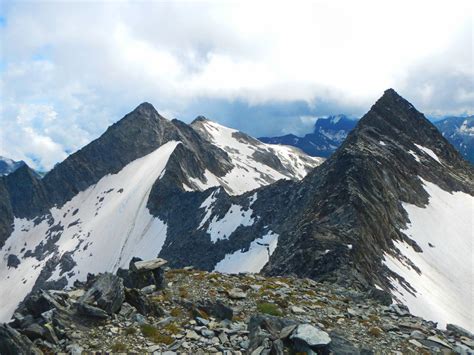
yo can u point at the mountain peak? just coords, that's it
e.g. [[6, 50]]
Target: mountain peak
[[200, 119], [145, 108]]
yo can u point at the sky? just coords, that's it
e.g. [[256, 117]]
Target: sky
[[69, 69]]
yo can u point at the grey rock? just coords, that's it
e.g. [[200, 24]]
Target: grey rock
[[416, 334], [400, 309], [139, 318], [74, 349], [148, 265], [459, 331], [148, 289], [306, 336], [127, 310], [207, 333], [202, 321], [34, 331], [286, 331], [216, 309], [13, 343], [107, 292], [148, 273], [237, 294], [142, 303], [87, 310]]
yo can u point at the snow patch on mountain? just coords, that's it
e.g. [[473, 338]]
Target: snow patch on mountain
[[103, 227], [429, 152], [236, 216], [412, 153], [251, 260], [251, 171], [444, 231]]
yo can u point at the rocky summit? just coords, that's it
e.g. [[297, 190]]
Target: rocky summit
[[197, 312]]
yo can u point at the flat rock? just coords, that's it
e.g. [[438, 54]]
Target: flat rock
[[237, 294], [297, 310], [148, 265], [310, 336]]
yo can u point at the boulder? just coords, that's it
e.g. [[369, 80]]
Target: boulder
[[265, 330], [13, 343], [142, 304], [141, 274], [307, 337], [236, 294], [216, 309], [34, 331], [40, 302], [148, 265], [87, 310], [107, 292]]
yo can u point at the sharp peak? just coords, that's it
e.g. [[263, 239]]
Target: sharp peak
[[145, 107], [390, 96], [201, 118]]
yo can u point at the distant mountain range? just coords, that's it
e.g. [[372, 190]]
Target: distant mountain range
[[327, 136], [459, 131], [8, 166], [330, 132]]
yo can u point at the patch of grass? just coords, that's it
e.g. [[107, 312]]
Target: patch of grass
[[269, 308], [176, 312], [172, 328], [155, 335], [119, 348], [375, 331], [199, 313], [213, 276], [163, 339], [183, 292], [374, 318], [130, 331]]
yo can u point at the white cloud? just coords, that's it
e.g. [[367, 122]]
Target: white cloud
[[91, 62]]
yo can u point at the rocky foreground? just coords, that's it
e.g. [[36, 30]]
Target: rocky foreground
[[148, 309]]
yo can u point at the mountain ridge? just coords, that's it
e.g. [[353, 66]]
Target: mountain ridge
[[351, 220]]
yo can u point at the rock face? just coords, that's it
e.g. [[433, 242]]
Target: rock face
[[327, 136]]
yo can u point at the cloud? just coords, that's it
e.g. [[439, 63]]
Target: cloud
[[258, 67]]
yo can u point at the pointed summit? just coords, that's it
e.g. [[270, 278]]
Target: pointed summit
[[145, 107], [392, 118]]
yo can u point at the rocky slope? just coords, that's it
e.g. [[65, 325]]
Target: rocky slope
[[198, 312], [360, 210], [459, 131], [327, 136]]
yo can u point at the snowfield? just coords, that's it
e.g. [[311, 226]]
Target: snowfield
[[252, 260], [444, 230], [105, 226]]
